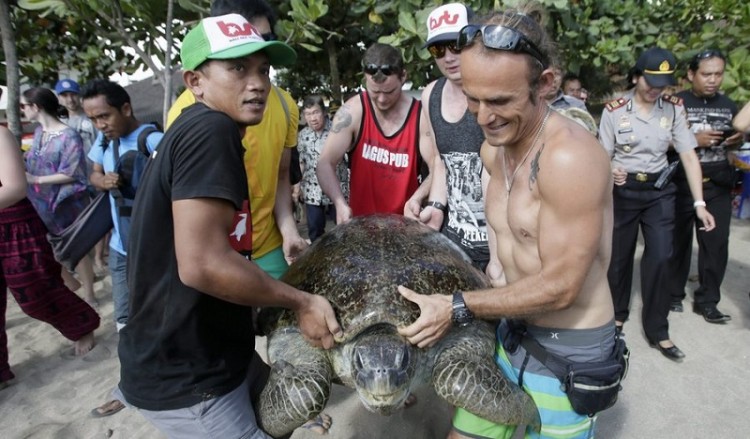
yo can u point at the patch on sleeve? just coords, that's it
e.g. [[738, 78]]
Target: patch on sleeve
[[674, 100]]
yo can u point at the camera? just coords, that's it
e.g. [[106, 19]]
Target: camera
[[720, 123]]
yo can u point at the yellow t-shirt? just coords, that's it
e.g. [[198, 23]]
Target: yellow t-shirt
[[261, 161]]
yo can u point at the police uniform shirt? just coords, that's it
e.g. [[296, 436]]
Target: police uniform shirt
[[638, 143]]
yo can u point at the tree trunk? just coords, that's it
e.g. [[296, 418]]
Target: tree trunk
[[11, 68], [335, 76], [168, 64]]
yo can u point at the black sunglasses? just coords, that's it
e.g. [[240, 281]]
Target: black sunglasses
[[711, 53], [386, 69], [706, 54], [495, 36], [438, 50], [270, 36]]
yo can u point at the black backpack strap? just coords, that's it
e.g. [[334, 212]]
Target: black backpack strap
[[116, 194], [143, 137]]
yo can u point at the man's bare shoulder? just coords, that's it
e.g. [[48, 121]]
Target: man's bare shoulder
[[425, 97], [572, 154], [348, 116]]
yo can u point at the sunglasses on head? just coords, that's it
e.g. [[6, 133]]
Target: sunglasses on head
[[270, 36], [495, 36], [712, 53], [438, 50], [386, 69]]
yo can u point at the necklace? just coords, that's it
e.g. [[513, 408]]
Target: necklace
[[509, 183]]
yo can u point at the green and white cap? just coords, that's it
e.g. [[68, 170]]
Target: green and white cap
[[227, 37]]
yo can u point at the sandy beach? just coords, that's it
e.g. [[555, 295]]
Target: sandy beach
[[704, 396]]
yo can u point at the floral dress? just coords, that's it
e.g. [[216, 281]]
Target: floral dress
[[59, 152]]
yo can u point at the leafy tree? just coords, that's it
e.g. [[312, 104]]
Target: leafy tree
[[597, 39], [146, 27], [48, 44]]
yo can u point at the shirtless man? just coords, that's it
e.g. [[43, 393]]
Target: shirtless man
[[379, 128], [549, 208]]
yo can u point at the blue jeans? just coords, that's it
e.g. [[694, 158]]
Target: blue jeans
[[120, 292], [316, 220]]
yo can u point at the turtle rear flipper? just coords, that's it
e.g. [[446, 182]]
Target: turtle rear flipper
[[465, 375], [298, 388]]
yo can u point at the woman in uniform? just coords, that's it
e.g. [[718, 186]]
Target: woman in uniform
[[636, 130]]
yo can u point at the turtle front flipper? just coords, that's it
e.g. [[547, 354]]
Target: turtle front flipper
[[465, 375], [298, 386]]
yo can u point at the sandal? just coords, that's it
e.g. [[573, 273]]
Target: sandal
[[109, 408]]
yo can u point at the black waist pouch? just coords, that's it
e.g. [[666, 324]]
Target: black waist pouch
[[721, 173], [591, 387]]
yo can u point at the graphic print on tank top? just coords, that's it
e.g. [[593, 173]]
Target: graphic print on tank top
[[467, 225]]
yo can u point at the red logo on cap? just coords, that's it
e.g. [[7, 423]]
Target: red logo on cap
[[446, 18], [232, 29]]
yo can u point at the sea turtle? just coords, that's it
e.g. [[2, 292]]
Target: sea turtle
[[358, 266]]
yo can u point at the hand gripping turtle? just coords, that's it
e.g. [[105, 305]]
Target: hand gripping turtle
[[358, 267]]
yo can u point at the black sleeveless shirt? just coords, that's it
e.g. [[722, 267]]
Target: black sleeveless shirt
[[459, 144]]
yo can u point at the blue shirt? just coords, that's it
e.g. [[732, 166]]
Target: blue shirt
[[107, 160]]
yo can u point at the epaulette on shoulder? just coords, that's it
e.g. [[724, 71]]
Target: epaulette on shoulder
[[614, 105], [672, 99]]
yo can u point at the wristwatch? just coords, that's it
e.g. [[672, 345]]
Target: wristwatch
[[461, 316], [437, 205]]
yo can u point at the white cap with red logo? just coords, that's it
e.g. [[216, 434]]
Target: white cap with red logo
[[444, 23]]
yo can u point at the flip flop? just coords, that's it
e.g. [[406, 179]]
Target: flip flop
[[109, 408]]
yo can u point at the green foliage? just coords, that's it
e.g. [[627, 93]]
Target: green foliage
[[600, 40], [48, 44], [99, 30], [597, 39]]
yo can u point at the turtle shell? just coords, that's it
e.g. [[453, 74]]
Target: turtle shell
[[358, 266]]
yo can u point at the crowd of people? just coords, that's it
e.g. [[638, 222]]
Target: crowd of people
[[552, 222]]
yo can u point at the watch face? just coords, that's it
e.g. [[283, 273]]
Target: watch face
[[463, 318]]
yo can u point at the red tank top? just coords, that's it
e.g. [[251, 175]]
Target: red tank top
[[384, 168]]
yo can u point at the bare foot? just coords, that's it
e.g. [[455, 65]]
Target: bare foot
[[93, 303], [84, 345], [410, 400], [100, 270], [70, 281], [321, 424]]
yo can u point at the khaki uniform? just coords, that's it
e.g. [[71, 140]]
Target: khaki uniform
[[638, 144]]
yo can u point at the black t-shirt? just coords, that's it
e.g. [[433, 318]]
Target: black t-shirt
[[182, 346], [714, 113]]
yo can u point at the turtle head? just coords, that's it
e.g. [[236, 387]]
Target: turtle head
[[383, 366]]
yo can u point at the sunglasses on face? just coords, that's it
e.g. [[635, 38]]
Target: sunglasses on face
[[385, 69], [270, 36], [499, 37], [438, 50]]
